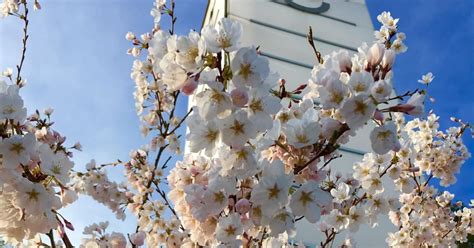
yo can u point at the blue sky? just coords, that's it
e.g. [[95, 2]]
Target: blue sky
[[76, 63]]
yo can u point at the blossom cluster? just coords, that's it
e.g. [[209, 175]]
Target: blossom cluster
[[100, 238], [254, 167], [247, 180], [96, 184], [35, 167], [258, 155]]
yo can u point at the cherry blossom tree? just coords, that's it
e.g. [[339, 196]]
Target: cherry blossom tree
[[258, 156]]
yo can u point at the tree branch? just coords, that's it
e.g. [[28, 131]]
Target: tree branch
[[51, 238], [24, 40]]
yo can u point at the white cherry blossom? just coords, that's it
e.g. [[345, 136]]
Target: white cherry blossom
[[248, 67], [357, 110], [356, 218], [282, 221], [261, 107], [360, 82], [333, 94], [381, 90], [337, 220], [203, 135], [341, 193], [384, 138], [229, 228], [303, 132], [17, 149], [237, 129], [272, 190], [308, 200], [226, 36], [427, 78], [189, 51], [213, 102], [11, 105]]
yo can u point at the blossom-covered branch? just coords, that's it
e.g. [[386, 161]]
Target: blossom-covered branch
[[258, 156]]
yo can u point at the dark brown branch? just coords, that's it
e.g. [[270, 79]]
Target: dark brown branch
[[167, 203], [181, 122], [51, 238], [311, 43], [329, 238], [328, 149], [24, 40]]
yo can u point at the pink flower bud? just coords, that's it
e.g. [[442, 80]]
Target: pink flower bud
[[130, 36], [69, 225], [375, 54], [417, 100], [138, 238], [239, 97], [388, 59], [396, 147], [378, 115], [37, 6], [61, 230], [282, 82], [135, 51], [189, 86], [405, 108], [242, 206]]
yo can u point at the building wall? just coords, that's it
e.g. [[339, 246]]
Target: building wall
[[280, 31]]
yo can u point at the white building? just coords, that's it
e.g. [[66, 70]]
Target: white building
[[279, 27]]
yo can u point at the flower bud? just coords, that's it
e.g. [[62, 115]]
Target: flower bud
[[145, 37], [375, 54], [77, 146], [37, 6], [345, 63], [130, 36], [417, 100], [8, 72], [242, 206], [138, 238], [378, 115], [135, 51], [189, 86], [239, 97], [41, 133], [48, 111], [404, 108], [388, 59], [69, 225]]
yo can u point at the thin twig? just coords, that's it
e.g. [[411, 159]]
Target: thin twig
[[181, 122], [428, 180], [167, 203], [328, 149], [51, 238], [311, 43], [24, 40]]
